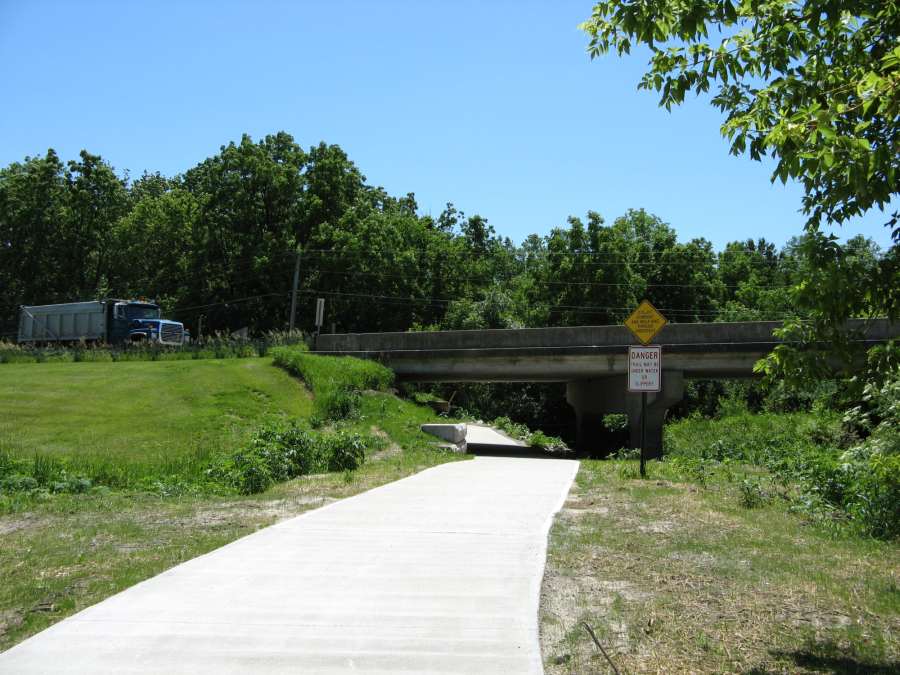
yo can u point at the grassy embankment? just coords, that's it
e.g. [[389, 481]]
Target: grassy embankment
[[127, 450], [717, 565]]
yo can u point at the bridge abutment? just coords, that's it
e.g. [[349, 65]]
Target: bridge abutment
[[592, 399]]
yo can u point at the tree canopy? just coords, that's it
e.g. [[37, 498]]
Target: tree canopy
[[218, 244], [813, 83]]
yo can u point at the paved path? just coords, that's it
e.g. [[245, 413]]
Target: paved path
[[480, 434], [436, 573]]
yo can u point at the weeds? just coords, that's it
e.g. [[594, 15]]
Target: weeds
[[752, 494], [808, 455], [535, 439], [274, 454], [214, 347], [336, 381]]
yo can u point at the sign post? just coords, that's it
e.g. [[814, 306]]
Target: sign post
[[320, 314], [645, 363], [644, 375], [320, 318]]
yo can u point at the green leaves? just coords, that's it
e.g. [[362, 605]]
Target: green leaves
[[817, 87], [828, 94]]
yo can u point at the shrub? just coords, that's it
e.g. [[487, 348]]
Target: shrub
[[276, 453], [344, 451], [18, 483], [46, 469], [616, 422], [537, 439], [752, 493], [247, 471], [860, 485], [338, 404]]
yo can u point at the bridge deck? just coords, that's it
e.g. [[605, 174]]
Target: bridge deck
[[565, 354]]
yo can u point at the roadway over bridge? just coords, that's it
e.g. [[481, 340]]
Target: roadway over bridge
[[592, 360]]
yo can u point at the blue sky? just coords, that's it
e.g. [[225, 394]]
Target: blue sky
[[492, 105]]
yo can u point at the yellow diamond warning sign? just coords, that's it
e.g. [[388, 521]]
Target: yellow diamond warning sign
[[645, 322]]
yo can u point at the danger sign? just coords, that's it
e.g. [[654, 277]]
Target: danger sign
[[645, 368]]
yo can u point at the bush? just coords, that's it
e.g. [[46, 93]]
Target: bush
[[338, 404], [616, 422], [537, 439], [860, 484], [276, 454], [752, 493], [42, 472], [344, 451]]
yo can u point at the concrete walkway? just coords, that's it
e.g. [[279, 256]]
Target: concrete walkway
[[436, 573], [481, 434]]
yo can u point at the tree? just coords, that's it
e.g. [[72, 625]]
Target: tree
[[250, 220], [814, 83], [96, 199], [32, 217], [152, 251]]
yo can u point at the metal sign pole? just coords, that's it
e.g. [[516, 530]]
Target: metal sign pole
[[294, 290], [643, 434]]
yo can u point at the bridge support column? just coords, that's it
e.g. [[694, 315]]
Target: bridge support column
[[592, 399]]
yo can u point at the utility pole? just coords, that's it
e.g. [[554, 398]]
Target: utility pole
[[294, 291], [199, 328]]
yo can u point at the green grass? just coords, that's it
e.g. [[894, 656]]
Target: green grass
[[336, 381], [64, 552], [142, 411], [326, 373], [676, 575]]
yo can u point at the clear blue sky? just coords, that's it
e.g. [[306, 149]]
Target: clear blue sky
[[492, 105]]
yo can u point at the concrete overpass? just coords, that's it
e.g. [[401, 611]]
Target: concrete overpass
[[591, 360]]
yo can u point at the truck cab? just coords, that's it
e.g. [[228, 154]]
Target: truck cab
[[137, 321]]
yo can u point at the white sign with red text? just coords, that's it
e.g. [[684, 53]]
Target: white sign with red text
[[645, 368]]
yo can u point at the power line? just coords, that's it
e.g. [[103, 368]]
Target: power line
[[235, 301], [565, 283]]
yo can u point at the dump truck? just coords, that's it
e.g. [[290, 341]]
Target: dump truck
[[111, 321]]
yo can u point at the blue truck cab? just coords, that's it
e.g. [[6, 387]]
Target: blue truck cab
[[135, 321]]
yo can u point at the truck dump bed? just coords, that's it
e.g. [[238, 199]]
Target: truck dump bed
[[65, 322]]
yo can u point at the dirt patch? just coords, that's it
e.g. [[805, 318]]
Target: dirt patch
[[697, 560], [9, 619], [657, 527], [391, 449], [10, 524], [256, 511]]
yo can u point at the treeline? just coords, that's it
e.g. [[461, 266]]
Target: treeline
[[219, 244]]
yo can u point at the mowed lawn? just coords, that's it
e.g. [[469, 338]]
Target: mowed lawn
[[142, 411]]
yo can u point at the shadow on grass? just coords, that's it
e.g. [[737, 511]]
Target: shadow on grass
[[828, 657]]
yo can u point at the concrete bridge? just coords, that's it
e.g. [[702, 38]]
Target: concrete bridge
[[591, 360]]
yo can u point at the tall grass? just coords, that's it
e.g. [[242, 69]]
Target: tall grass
[[825, 468], [46, 473], [336, 381], [214, 347]]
